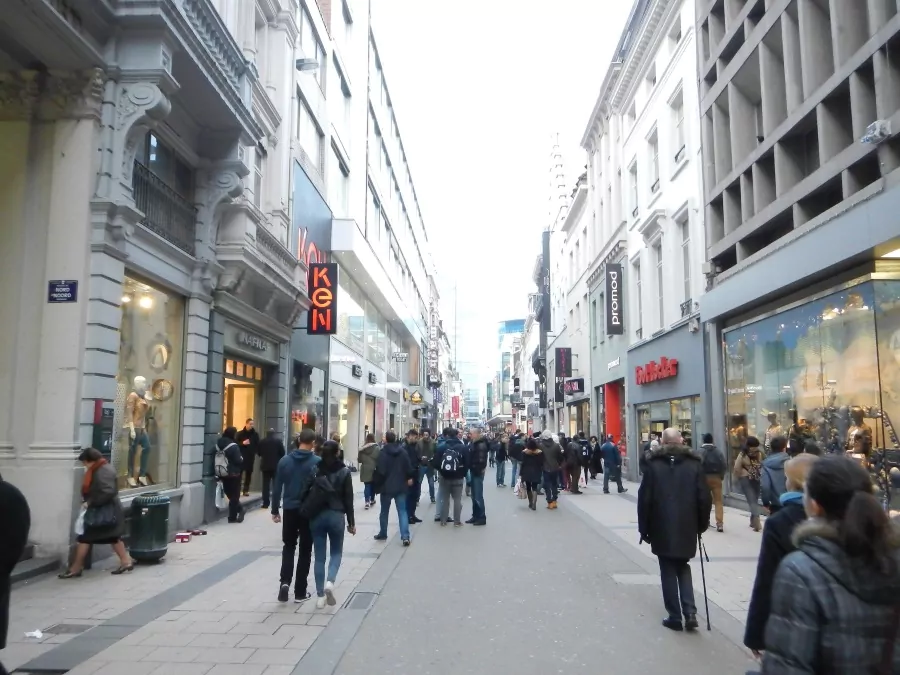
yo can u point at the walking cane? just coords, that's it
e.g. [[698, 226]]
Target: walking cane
[[703, 576]]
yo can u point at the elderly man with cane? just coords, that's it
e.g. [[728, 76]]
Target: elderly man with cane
[[673, 510]]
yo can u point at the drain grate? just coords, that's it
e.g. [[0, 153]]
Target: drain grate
[[360, 601], [68, 628]]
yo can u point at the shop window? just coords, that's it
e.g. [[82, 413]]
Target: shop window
[[307, 399], [376, 329], [147, 416]]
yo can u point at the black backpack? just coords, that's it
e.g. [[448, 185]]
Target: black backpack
[[451, 462], [713, 461], [585, 451], [320, 492]]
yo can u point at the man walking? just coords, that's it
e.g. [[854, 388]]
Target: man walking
[[553, 458], [612, 465], [673, 509], [515, 448], [248, 441], [426, 454], [585, 457], [271, 450], [714, 468], [393, 478], [451, 462], [478, 461], [772, 480], [14, 527], [573, 465], [293, 474], [414, 491], [501, 460]]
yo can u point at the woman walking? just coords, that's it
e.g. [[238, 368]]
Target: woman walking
[[836, 600], [368, 458], [231, 483], [103, 517], [328, 524], [747, 473], [532, 471]]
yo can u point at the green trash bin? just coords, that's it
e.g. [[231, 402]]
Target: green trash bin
[[149, 537]]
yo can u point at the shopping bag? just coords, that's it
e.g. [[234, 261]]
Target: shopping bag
[[79, 524], [521, 492], [221, 499]]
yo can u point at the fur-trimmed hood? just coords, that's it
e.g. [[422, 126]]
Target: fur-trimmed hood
[[677, 452], [819, 540]]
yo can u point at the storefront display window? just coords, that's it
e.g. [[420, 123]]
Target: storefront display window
[[826, 371], [147, 415], [654, 418], [307, 399], [351, 325], [375, 335]]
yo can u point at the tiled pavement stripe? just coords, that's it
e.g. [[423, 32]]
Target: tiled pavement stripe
[[79, 649]]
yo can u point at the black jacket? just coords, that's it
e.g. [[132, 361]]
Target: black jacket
[[250, 449], [776, 544], [460, 448], [270, 450], [515, 448], [342, 481], [412, 449], [573, 454], [478, 456], [673, 502], [392, 470], [501, 452], [532, 469], [14, 527], [232, 454]]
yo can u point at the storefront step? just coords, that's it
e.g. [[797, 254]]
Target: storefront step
[[33, 567]]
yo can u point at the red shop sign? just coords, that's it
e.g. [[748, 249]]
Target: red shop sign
[[654, 371]]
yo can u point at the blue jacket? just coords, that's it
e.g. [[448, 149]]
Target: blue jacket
[[291, 476], [610, 454], [460, 448], [392, 469], [772, 478]]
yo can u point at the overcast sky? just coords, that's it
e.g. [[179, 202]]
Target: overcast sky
[[479, 87]]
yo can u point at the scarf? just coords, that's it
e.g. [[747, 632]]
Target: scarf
[[89, 476], [788, 497]]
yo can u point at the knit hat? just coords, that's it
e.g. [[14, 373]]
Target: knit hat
[[546, 435]]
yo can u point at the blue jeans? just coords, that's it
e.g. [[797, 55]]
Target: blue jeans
[[551, 485], [400, 502], [501, 473], [515, 470], [427, 472], [328, 524], [478, 512], [369, 493], [140, 439]]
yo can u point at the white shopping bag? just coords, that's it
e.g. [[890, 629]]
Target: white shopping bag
[[221, 499], [79, 523]]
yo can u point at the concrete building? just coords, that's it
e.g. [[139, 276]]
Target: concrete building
[[800, 104], [643, 144]]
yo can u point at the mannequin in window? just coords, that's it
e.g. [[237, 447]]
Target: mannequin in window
[[773, 430], [859, 438], [136, 407]]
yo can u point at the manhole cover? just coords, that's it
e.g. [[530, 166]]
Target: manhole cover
[[67, 628], [360, 601]]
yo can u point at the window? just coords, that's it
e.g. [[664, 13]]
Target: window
[[571, 318], [651, 77], [372, 209], [308, 133], [312, 46], [163, 163], [686, 258], [675, 32], [338, 184], [677, 106], [571, 264], [630, 117], [578, 317], [660, 283], [638, 291], [653, 142], [633, 186], [258, 171], [595, 326]]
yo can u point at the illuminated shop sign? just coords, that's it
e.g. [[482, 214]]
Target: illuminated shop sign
[[614, 321], [323, 281], [575, 386], [653, 371]]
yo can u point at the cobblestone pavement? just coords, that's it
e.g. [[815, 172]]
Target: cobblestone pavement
[[529, 593]]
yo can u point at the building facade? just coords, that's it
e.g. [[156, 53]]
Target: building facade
[[801, 156], [643, 144]]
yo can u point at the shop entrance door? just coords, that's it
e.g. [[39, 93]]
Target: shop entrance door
[[240, 404], [369, 427]]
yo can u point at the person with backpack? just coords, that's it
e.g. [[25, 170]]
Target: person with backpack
[[228, 467], [331, 495], [714, 467], [292, 478], [451, 462], [478, 462], [772, 479], [612, 465], [393, 478], [585, 456], [573, 465]]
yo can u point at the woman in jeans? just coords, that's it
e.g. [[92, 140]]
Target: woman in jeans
[[100, 491], [747, 473], [329, 523], [368, 458], [231, 483]]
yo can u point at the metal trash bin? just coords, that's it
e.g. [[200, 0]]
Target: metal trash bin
[[149, 536]]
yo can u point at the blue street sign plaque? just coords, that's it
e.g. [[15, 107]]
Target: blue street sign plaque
[[60, 290]]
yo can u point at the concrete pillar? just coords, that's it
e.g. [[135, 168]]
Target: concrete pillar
[[215, 388]]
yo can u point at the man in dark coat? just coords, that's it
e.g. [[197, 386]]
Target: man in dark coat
[[776, 544], [393, 478], [673, 509], [14, 526], [270, 451], [248, 441], [414, 492], [612, 465]]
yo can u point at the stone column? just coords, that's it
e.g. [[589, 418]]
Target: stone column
[[215, 387]]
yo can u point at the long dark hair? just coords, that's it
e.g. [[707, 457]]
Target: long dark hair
[[843, 488], [329, 454]]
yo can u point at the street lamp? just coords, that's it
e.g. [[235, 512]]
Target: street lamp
[[306, 65]]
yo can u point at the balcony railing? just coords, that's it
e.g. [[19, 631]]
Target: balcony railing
[[686, 307], [166, 213], [269, 244]]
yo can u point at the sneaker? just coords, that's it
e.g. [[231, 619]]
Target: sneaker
[[320, 603], [367, 506], [246, 494], [457, 524], [283, 592], [300, 599], [132, 482], [380, 537], [720, 528], [406, 542], [329, 594]]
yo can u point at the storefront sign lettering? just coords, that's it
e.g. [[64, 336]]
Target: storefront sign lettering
[[563, 362], [400, 357], [62, 291], [253, 341], [323, 280], [614, 363], [614, 319], [416, 398], [575, 386], [307, 251], [653, 371]]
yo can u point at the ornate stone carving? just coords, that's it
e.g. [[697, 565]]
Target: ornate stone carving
[[217, 186], [205, 276], [27, 94], [139, 106], [215, 37]]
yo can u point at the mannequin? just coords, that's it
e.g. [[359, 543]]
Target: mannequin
[[737, 431], [859, 438], [772, 431], [136, 407]]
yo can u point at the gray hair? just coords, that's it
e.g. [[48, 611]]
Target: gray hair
[[671, 436], [654, 444]]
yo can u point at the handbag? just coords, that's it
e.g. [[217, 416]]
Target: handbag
[[79, 523], [521, 492], [221, 499], [96, 517]]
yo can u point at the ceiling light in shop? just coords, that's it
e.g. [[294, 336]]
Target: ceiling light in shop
[[892, 254], [126, 298], [146, 302]]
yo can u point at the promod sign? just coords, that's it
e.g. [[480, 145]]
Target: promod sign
[[615, 321], [323, 281], [653, 371]]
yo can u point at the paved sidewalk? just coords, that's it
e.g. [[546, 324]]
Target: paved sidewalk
[[209, 609], [732, 554]]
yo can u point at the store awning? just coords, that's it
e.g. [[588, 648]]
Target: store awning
[[499, 419]]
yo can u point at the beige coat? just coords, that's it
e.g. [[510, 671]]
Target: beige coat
[[743, 463]]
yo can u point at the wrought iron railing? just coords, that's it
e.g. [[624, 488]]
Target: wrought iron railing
[[686, 307], [166, 213]]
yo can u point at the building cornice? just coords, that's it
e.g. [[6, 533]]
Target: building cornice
[[576, 207], [638, 58]]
